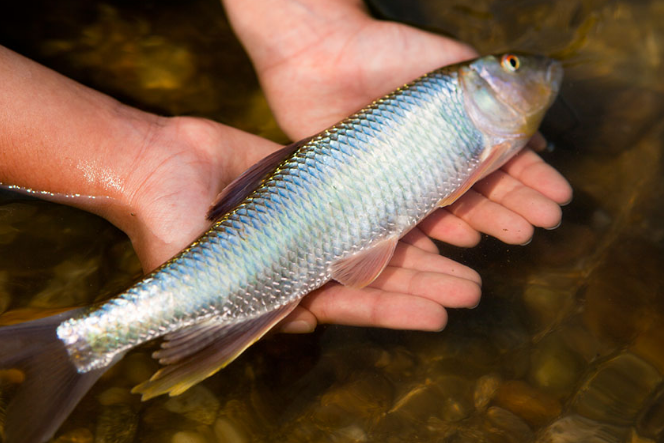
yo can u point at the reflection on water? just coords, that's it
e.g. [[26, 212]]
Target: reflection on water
[[567, 344]]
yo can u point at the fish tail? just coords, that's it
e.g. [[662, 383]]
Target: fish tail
[[50, 387]]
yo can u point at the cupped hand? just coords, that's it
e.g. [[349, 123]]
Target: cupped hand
[[319, 62]]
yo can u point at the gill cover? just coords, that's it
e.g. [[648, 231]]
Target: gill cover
[[507, 95]]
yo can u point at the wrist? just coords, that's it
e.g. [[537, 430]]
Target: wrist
[[170, 185], [122, 160]]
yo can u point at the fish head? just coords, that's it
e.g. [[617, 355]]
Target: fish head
[[506, 96]]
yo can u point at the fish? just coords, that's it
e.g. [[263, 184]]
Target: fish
[[330, 207]]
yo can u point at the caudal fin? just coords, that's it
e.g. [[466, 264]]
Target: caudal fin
[[52, 386]]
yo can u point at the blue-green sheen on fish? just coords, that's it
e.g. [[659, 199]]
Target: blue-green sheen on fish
[[331, 207]]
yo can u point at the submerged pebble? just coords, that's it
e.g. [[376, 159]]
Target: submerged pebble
[[16, 212], [197, 404], [362, 400], [547, 304], [458, 397], [80, 435], [418, 404], [116, 423], [69, 285], [138, 367], [506, 427], [576, 429], [616, 390], [582, 342], [634, 437], [554, 367], [650, 422], [239, 421], [485, 389], [5, 293], [350, 434], [188, 437], [533, 405], [226, 431], [115, 396], [649, 346]]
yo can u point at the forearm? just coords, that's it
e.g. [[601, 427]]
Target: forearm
[[62, 137]]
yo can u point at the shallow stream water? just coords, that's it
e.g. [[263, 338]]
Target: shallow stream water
[[567, 344]]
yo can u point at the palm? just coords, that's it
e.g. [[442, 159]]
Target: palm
[[344, 69], [196, 159]]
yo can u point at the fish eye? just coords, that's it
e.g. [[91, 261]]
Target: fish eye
[[510, 62]]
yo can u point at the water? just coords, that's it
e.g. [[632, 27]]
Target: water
[[566, 345]]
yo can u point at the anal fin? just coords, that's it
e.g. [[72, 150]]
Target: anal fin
[[359, 270], [197, 352]]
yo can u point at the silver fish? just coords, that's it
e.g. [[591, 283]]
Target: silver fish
[[331, 207]]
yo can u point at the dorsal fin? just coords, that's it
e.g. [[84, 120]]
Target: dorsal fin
[[233, 194]]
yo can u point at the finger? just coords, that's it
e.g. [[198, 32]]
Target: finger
[[409, 257], [493, 219], [444, 289], [417, 238], [372, 307], [527, 202], [445, 226], [531, 170], [300, 321]]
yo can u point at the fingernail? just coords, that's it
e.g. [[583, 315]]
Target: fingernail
[[554, 227], [527, 242], [568, 201], [298, 327]]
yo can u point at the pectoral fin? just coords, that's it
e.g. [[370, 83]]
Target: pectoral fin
[[487, 165], [197, 352], [359, 270]]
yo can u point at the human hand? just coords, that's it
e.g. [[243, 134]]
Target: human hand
[[321, 61]]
